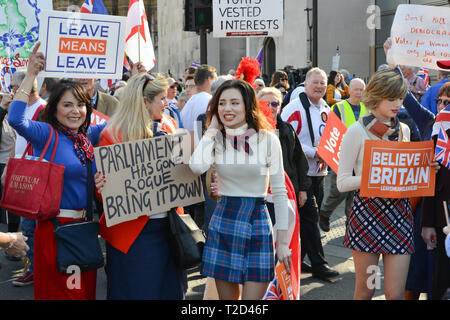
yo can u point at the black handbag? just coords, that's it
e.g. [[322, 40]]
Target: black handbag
[[186, 240], [77, 242]]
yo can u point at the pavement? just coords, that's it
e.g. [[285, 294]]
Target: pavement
[[338, 257]]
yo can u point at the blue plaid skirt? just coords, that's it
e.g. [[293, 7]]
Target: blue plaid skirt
[[239, 246]]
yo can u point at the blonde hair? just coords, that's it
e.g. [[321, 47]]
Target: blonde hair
[[270, 91], [385, 84], [132, 120]]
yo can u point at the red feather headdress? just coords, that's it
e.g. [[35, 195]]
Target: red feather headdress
[[248, 70]]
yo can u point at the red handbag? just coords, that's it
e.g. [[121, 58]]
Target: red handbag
[[33, 188]]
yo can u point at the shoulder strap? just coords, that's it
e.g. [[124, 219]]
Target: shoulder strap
[[427, 127], [90, 190], [306, 104]]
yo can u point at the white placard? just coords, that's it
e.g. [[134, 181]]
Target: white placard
[[80, 45], [420, 36], [250, 18]]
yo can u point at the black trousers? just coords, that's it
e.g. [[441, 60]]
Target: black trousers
[[311, 244]]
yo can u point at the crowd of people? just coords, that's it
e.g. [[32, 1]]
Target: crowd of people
[[249, 135]]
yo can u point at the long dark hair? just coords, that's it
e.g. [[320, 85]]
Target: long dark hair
[[332, 76], [49, 113], [253, 115]]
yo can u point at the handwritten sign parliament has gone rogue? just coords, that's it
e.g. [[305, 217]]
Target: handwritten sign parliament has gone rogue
[[80, 45], [247, 18], [397, 169], [420, 36], [147, 177]]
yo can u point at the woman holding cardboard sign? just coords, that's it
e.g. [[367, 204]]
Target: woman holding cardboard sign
[[68, 111], [139, 263], [377, 226], [239, 245]]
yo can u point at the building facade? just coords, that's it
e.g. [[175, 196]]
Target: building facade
[[357, 27]]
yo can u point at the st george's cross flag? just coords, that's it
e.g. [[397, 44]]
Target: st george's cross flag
[[294, 234], [442, 152], [139, 46]]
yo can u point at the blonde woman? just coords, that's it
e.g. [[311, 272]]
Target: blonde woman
[[377, 226], [139, 264]]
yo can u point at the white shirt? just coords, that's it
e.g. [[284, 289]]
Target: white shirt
[[196, 105], [295, 114], [296, 92], [245, 175]]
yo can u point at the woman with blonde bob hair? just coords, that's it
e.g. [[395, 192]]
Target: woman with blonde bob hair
[[239, 245], [377, 226], [139, 264]]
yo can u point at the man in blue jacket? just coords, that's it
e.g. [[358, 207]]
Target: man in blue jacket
[[428, 100]]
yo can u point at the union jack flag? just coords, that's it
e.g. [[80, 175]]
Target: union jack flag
[[442, 120], [423, 73], [274, 291], [93, 6], [442, 152]]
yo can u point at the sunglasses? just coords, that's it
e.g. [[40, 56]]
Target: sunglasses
[[173, 86], [274, 104], [445, 102], [148, 78], [283, 79]]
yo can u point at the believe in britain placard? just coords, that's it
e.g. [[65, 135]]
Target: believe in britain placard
[[79, 45]]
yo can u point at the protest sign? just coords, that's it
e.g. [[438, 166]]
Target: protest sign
[[397, 169], [19, 31], [330, 142], [81, 45], [247, 18], [147, 177], [420, 36], [284, 279], [98, 118]]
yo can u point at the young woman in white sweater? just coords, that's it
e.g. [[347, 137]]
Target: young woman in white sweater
[[377, 226], [247, 155]]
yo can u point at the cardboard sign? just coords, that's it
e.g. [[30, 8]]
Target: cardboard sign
[[420, 36], [19, 27], [330, 142], [98, 118], [147, 177], [397, 169], [255, 18], [284, 279], [81, 45]]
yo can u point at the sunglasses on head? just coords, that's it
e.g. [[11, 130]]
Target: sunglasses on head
[[148, 78], [445, 102]]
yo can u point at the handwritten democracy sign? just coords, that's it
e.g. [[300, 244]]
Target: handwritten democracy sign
[[19, 31], [80, 45], [147, 177], [330, 142], [397, 169], [258, 18], [420, 36]]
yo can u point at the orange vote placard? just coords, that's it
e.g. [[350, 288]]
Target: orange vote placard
[[284, 279], [397, 169], [330, 142]]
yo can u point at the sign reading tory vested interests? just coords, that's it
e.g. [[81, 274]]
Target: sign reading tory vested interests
[[397, 169], [420, 36], [147, 177], [79, 45], [245, 18]]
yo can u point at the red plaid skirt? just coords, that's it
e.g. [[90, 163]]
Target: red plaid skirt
[[378, 225]]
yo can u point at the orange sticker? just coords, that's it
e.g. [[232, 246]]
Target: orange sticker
[[82, 46], [330, 142], [397, 169]]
